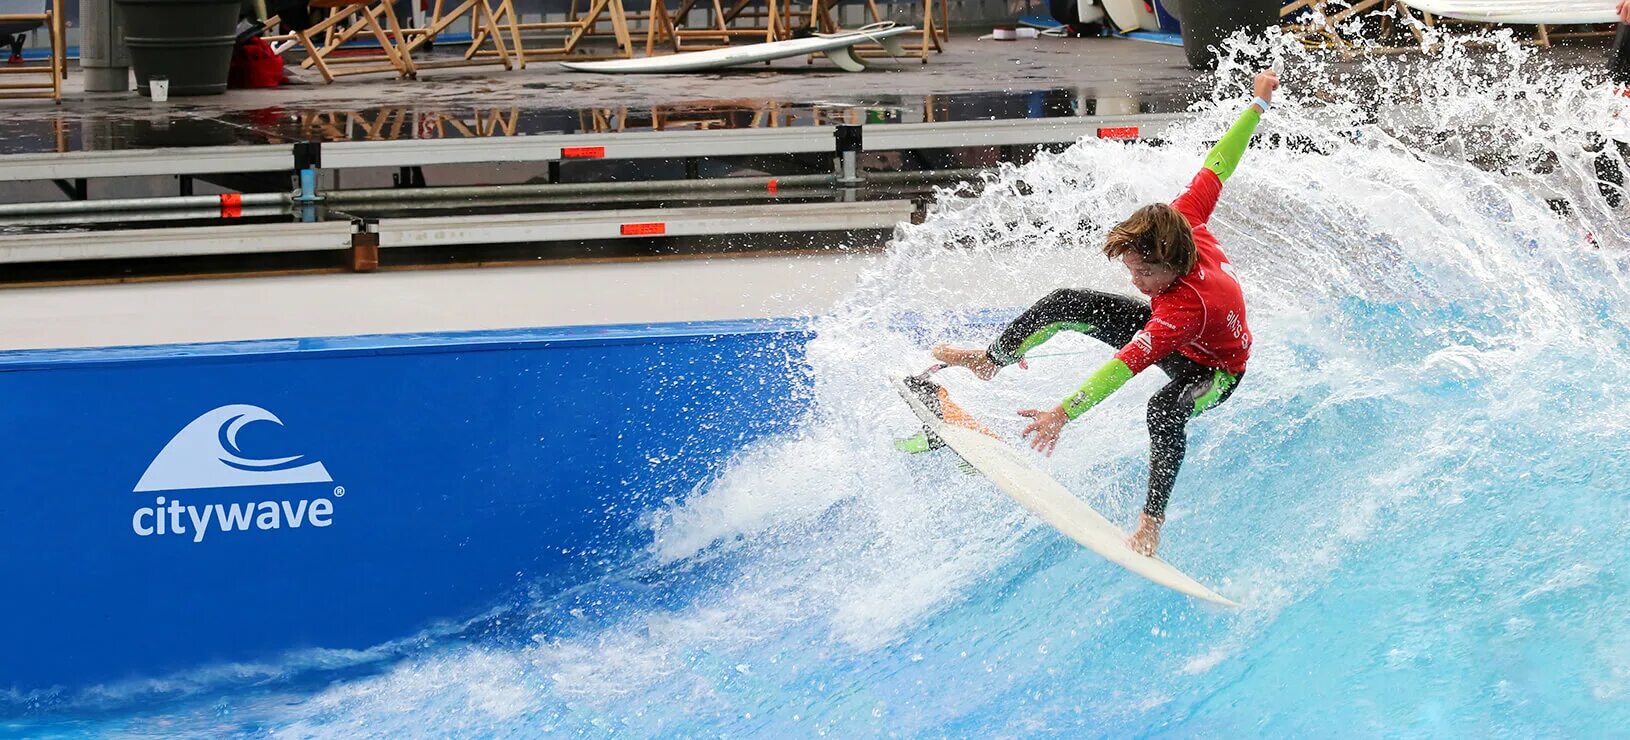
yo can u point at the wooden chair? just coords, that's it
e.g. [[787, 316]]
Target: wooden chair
[[1323, 31], [569, 34], [483, 18], [932, 31], [346, 20], [743, 19], [280, 41], [51, 74]]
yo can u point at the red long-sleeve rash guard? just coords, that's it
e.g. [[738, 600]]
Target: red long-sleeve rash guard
[[1202, 315]]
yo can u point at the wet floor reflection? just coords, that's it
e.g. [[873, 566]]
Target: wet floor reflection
[[180, 127]]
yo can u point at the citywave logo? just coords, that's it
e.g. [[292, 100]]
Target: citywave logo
[[206, 455]]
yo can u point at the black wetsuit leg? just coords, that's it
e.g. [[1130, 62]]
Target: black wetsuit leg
[[1609, 174], [1193, 389], [1107, 317], [1620, 67]]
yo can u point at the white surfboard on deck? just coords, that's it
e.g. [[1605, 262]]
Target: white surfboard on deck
[[838, 47], [1051, 501], [1131, 15], [1522, 12]]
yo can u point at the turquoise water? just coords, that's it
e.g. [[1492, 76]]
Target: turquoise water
[[1418, 492]]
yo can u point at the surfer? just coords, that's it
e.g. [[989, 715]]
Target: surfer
[[1193, 328]]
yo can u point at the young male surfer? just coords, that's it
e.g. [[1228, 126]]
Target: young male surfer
[[1193, 328]]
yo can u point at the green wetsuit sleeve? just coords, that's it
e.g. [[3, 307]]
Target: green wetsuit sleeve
[[1107, 380], [1225, 156]]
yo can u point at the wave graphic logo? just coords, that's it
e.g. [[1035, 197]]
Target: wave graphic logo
[[205, 454]]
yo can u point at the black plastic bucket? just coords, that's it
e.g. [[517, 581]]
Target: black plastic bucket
[[1207, 22], [188, 41]]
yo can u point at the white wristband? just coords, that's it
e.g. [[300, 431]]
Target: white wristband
[[1263, 104]]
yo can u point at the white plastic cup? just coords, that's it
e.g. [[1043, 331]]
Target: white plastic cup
[[159, 85]]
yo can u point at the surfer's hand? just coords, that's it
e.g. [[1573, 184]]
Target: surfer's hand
[[973, 358], [1147, 539], [1624, 11], [1046, 425], [1267, 81]]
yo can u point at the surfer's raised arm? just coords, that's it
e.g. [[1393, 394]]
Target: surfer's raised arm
[[1197, 202], [1225, 156]]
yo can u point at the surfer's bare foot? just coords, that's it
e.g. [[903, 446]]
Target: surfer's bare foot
[[1147, 539], [973, 358]]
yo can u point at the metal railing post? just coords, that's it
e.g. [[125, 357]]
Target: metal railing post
[[308, 161], [849, 146]]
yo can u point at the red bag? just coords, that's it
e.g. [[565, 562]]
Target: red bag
[[254, 65]]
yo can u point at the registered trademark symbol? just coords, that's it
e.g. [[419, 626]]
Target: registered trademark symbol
[[339, 491]]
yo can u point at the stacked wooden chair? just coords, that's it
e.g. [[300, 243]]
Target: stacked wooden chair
[[566, 38], [346, 20], [21, 80], [671, 29], [483, 19], [932, 32]]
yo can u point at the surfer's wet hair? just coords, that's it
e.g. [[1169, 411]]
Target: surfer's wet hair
[[1159, 234]]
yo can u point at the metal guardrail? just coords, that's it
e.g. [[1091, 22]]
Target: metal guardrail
[[566, 147], [739, 142], [142, 162], [175, 242], [654, 222], [369, 236]]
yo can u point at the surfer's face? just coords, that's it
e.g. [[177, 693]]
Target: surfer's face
[[1150, 280]]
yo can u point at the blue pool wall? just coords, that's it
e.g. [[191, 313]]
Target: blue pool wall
[[462, 468]]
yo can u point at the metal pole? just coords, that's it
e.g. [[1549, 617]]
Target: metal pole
[[849, 146], [79, 219], [135, 204], [308, 160]]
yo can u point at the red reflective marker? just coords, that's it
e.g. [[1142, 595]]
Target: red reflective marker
[[652, 229]]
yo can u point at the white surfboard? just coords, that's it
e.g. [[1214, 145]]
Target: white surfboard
[[1048, 499], [1148, 20], [1127, 15], [837, 47], [1522, 12]]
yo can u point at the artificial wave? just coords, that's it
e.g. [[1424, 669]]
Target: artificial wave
[[1418, 491]]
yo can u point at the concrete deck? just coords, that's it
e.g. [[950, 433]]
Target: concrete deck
[[425, 301]]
